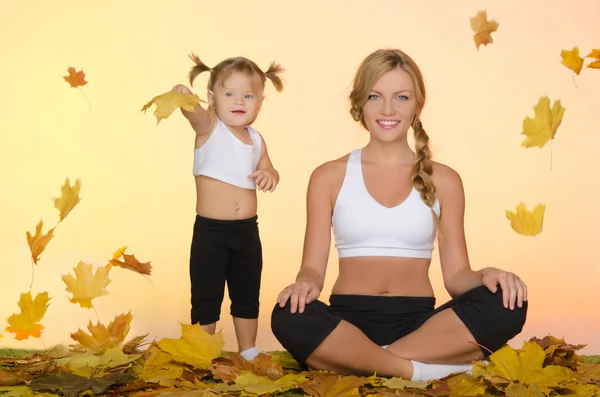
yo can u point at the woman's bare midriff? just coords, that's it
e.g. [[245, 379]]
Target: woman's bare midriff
[[220, 200], [384, 276]]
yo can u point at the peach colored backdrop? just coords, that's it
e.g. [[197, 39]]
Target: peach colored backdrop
[[137, 185]]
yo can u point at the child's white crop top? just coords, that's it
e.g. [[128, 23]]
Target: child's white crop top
[[224, 157], [363, 227]]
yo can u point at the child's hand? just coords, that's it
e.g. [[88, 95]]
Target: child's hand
[[182, 88], [266, 180]]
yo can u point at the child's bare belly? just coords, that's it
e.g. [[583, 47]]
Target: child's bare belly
[[219, 200]]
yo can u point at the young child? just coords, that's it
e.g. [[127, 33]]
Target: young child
[[231, 161]]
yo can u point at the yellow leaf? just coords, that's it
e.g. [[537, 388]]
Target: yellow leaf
[[595, 54], [119, 253], [86, 286], [160, 365], [572, 60], [526, 367], [401, 383], [252, 384], [526, 222], [166, 103], [334, 386], [483, 29], [519, 390], [465, 387], [69, 198], [542, 128], [195, 347], [26, 323], [37, 243], [102, 338]]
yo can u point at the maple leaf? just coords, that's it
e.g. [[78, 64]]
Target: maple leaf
[[37, 243], [332, 385], [70, 385], [130, 262], [543, 127], [524, 367], [75, 79], [86, 286], [526, 222], [595, 54], [572, 60], [195, 347], [483, 29], [26, 323], [166, 103], [69, 198], [252, 384], [160, 366], [102, 338]]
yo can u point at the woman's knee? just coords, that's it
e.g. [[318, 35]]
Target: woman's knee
[[490, 323]]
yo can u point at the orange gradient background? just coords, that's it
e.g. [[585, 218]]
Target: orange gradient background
[[137, 183]]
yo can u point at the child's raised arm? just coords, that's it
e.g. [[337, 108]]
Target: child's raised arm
[[200, 119]]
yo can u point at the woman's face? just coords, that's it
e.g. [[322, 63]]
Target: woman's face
[[391, 106]]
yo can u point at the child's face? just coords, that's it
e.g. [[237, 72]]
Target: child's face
[[237, 100]]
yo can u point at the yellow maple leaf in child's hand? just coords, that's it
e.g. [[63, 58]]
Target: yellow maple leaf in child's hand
[[166, 103], [572, 60], [526, 222], [26, 323], [196, 347], [102, 338], [483, 29], [69, 198], [595, 54], [37, 243], [543, 127], [86, 285]]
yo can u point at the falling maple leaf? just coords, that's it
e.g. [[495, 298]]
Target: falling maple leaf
[[37, 243], [595, 54], [543, 127], [75, 79], [483, 29], [26, 323], [69, 198], [526, 222], [572, 60], [86, 285], [196, 347], [130, 262], [166, 103], [102, 338]]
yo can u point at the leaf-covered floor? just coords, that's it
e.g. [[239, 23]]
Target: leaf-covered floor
[[542, 367]]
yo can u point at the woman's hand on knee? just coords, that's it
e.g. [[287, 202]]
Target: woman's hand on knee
[[300, 294], [514, 289]]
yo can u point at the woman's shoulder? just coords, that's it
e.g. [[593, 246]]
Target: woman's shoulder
[[331, 173], [446, 178]]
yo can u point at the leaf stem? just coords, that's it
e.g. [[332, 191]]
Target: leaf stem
[[96, 311], [551, 152], [86, 99]]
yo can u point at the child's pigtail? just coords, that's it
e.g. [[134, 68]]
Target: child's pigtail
[[272, 74], [198, 68]]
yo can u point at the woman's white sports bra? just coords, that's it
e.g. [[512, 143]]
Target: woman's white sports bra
[[363, 227]]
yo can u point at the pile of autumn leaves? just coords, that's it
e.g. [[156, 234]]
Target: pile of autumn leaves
[[195, 365]]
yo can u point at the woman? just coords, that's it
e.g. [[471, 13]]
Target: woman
[[386, 204]]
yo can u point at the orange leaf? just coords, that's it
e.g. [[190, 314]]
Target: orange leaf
[[483, 29], [75, 79], [595, 54], [26, 323], [102, 338], [572, 60], [130, 262], [37, 243]]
